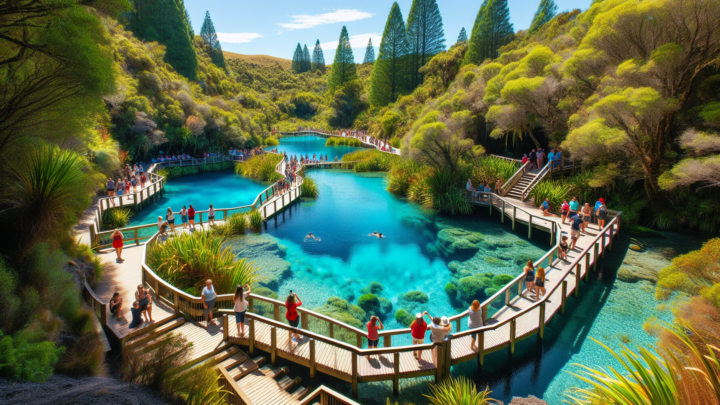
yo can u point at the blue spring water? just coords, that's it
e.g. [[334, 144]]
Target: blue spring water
[[307, 145]]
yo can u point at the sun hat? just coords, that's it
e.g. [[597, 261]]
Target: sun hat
[[602, 200], [418, 315], [444, 321]]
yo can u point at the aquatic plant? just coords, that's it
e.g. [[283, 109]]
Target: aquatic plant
[[181, 171], [343, 311], [500, 280], [404, 317], [237, 223], [458, 391], [261, 167], [371, 160], [416, 296], [215, 167], [373, 287], [372, 305], [473, 287], [256, 221], [339, 141], [402, 175], [309, 188], [116, 218], [188, 259], [443, 193]]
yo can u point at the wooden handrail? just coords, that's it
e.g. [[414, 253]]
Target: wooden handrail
[[322, 391], [526, 191], [228, 384], [510, 183]]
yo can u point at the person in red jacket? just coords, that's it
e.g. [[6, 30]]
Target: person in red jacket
[[191, 216], [418, 327], [292, 303]]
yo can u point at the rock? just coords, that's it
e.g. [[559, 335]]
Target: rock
[[635, 248], [531, 400], [268, 257], [373, 288], [668, 252], [412, 301], [340, 309], [386, 307], [416, 296], [633, 274], [370, 304]]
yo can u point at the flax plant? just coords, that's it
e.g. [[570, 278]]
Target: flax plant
[[309, 188], [458, 391]]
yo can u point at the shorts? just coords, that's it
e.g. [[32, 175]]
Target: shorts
[[240, 317], [211, 217], [564, 212], [586, 218], [192, 217], [113, 308], [111, 192], [183, 219], [210, 305], [572, 213], [294, 323], [171, 221], [473, 335], [418, 341], [373, 343], [144, 304], [602, 216], [574, 233]]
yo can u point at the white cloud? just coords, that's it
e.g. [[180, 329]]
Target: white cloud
[[237, 37], [356, 41], [303, 21]]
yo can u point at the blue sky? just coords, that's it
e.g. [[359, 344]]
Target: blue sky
[[274, 27]]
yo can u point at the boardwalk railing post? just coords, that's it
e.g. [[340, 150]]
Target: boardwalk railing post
[[304, 320], [612, 229], [226, 327], [354, 374], [251, 336], [595, 256], [587, 265], [276, 311], [273, 345], [502, 217], [564, 297], [359, 340], [387, 341], [332, 331], [513, 217], [491, 204], [602, 245], [439, 361], [481, 349], [578, 270], [396, 374], [448, 357], [530, 227], [513, 326], [312, 359], [541, 327]]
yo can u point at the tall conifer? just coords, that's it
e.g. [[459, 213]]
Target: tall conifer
[[546, 11], [425, 35], [318, 58], [369, 52], [462, 37], [343, 68], [208, 34], [166, 22], [296, 65], [306, 60], [390, 75], [492, 30]]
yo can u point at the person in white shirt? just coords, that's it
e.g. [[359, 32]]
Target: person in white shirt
[[439, 329], [211, 215], [240, 308]]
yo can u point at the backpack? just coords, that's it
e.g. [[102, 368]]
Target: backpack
[[602, 209]]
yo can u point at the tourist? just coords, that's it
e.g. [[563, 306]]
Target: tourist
[[558, 159], [184, 217], [372, 333], [586, 216], [136, 312], [170, 217], [117, 244], [575, 230], [439, 329], [208, 301], [539, 283], [475, 320], [545, 207], [133, 181], [311, 236], [418, 327], [524, 159], [119, 186], [191, 216], [291, 305], [142, 170], [111, 191], [540, 155], [241, 304], [564, 209], [145, 301], [601, 213], [529, 271], [211, 215], [533, 159], [574, 207], [127, 186], [551, 156], [143, 180], [562, 253], [162, 225], [116, 306], [498, 186]]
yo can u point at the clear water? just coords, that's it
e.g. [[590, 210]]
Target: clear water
[[307, 145]]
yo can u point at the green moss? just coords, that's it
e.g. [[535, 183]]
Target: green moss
[[373, 288], [404, 317], [369, 303], [386, 307], [451, 290], [489, 292], [637, 230], [471, 288], [340, 309], [454, 266], [416, 296], [521, 243], [501, 280], [495, 262]]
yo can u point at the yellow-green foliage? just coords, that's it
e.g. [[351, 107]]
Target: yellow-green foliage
[[458, 391], [694, 273], [371, 160], [309, 188], [261, 167], [338, 141]]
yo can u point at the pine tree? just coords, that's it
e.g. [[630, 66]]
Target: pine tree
[[208, 34], [296, 65], [425, 35], [343, 68], [369, 53], [166, 22], [318, 58], [306, 61], [462, 37], [390, 75], [492, 30], [546, 11]]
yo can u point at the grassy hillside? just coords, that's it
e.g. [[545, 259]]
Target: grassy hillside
[[260, 60]]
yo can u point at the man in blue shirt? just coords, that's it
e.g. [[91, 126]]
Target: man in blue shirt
[[574, 207], [575, 229], [551, 155], [558, 158]]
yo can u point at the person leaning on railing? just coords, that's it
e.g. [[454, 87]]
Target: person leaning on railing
[[291, 305], [439, 329], [418, 327], [475, 320]]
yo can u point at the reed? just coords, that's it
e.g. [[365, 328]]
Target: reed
[[261, 167], [187, 260], [309, 188], [458, 391], [342, 141], [255, 221], [372, 160]]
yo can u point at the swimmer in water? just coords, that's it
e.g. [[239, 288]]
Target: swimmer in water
[[311, 236], [376, 233]]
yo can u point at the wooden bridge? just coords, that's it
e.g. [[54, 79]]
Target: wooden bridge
[[336, 349], [367, 141]]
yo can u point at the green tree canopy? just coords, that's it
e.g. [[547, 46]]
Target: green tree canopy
[[297, 60], [343, 68], [546, 11], [208, 34], [390, 76], [425, 34], [369, 52], [492, 29], [165, 21], [318, 58], [306, 60], [462, 37]]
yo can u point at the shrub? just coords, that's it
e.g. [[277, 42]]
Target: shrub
[[116, 218], [458, 391], [489, 169], [555, 191], [182, 171], [9, 301], [404, 317], [261, 167], [373, 288], [187, 260], [272, 141], [237, 224], [197, 386], [215, 167], [338, 141], [256, 221], [402, 175], [155, 368], [33, 362], [309, 188]]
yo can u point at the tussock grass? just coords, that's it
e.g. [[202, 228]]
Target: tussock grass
[[260, 167], [372, 160], [339, 141], [309, 188]]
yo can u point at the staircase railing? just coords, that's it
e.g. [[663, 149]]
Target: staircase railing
[[526, 191], [510, 183]]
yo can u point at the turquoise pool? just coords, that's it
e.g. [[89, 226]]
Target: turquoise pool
[[307, 145]]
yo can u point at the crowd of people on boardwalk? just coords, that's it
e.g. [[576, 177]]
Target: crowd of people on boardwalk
[[133, 177], [361, 135], [537, 158]]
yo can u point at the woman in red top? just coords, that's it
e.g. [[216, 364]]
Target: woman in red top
[[293, 301], [117, 238], [418, 327], [191, 216], [373, 337]]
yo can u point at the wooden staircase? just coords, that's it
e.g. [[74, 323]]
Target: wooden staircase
[[516, 191]]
